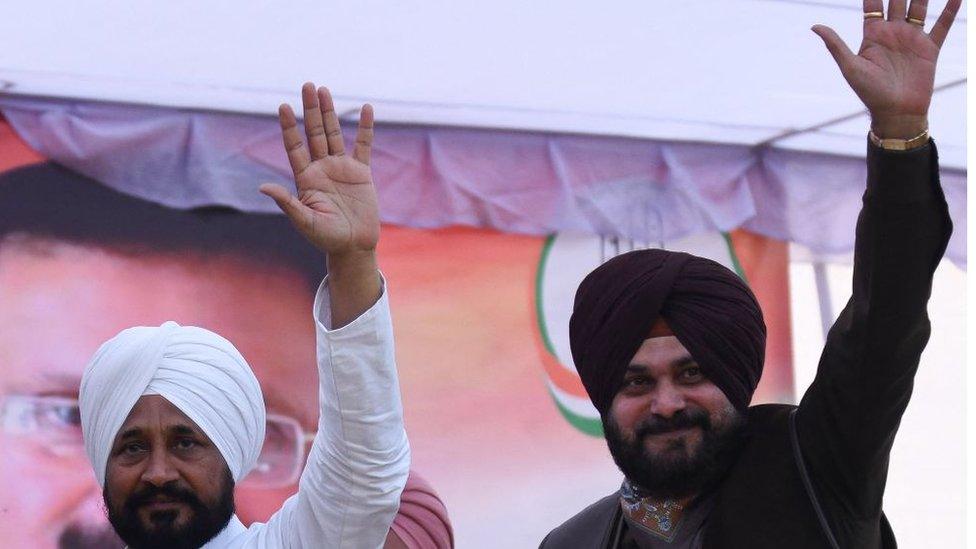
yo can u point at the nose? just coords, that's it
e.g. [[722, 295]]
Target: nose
[[159, 468], [667, 400]]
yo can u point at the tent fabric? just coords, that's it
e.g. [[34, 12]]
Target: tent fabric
[[427, 177], [742, 72]]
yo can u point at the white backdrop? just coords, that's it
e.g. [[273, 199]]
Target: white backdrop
[[721, 71]]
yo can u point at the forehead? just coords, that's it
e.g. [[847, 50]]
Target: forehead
[[155, 411], [660, 353], [59, 302]]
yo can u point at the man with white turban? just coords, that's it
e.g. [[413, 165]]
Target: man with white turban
[[173, 416]]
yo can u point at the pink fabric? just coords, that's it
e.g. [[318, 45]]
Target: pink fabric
[[521, 182], [422, 522]]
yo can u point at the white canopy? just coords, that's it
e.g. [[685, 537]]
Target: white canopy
[[644, 120], [733, 71]]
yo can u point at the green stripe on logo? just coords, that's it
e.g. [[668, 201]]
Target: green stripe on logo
[[735, 259], [588, 425], [540, 314]]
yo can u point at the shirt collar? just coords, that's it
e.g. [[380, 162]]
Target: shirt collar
[[223, 539]]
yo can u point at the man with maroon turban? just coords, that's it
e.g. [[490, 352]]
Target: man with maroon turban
[[670, 348]]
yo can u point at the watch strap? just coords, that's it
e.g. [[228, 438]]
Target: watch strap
[[900, 144]]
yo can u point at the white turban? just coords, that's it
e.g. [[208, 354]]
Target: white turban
[[194, 369]]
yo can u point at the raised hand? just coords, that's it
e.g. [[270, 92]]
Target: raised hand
[[336, 206], [893, 72]]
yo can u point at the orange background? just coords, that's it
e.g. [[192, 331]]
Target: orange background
[[483, 427]]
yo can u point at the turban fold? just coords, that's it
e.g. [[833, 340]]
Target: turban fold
[[196, 370], [422, 521], [709, 308]]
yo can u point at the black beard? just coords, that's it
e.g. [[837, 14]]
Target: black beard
[[204, 523], [683, 473]]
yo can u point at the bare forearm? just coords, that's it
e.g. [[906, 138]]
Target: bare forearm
[[354, 285]]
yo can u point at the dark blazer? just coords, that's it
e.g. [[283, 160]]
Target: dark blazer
[[813, 476]]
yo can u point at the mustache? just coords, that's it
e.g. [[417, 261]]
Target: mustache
[[684, 419], [172, 491]]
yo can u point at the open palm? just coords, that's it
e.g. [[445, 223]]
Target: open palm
[[893, 72], [336, 207]]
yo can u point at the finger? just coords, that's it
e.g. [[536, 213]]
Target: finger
[[944, 22], [289, 204], [896, 10], [917, 9], [364, 136], [294, 146], [314, 128], [835, 45], [332, 129], [873, 6]]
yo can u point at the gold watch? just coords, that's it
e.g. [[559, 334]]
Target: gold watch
[[900, 144]]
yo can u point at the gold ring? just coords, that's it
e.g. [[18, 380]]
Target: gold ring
[[874, 15], [919, 22]]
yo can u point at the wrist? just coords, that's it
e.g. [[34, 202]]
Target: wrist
[[351, 264], [354, 285], [899, 127]]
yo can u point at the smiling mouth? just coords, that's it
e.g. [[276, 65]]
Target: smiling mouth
[[676, 432], [158, 505]]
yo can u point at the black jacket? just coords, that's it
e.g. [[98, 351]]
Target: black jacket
[[844, 427]]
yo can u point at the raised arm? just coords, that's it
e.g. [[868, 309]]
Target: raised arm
[[357, 467], [848, 418], [336, 208]]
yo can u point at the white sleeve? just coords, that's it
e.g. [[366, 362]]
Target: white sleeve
[[350, 489]]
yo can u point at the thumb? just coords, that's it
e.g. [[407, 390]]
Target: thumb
[[835, 45], [290, 205]]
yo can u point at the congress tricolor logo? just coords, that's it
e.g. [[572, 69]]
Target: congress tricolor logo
[[564, 261]]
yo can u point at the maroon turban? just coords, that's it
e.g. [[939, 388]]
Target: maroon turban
[[708, 307], [422, 521]]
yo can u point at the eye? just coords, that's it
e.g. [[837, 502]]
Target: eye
[[63, 415], [691, 374], [132, 448], [636, 383], [186, 444]]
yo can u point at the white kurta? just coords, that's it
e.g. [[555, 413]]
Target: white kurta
[[350, 489]]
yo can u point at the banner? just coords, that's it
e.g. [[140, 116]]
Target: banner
[[497, 419]]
